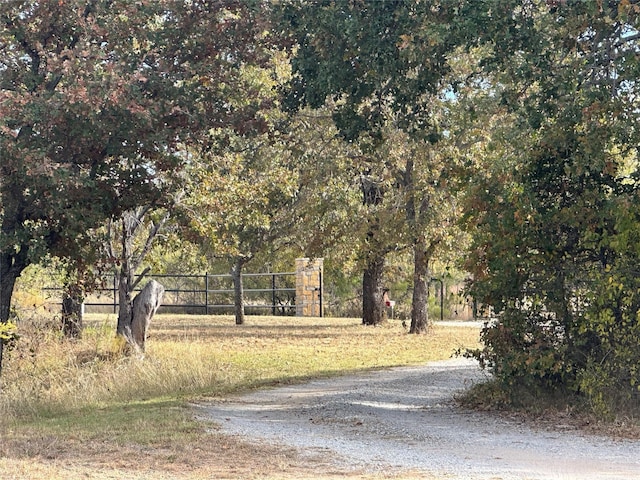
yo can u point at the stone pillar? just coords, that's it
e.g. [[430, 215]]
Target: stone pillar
[[309, 287]]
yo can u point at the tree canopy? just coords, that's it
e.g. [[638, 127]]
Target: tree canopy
[[554, 213], [372, 58], [360, 120], [97, 100]]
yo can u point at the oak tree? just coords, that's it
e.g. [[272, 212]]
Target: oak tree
[[555, 249], [97, 100], [380, 64]]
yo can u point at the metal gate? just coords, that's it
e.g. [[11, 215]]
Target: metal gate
[[264, 293]]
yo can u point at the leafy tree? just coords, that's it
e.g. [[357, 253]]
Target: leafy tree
[[242, 188], [393, 57], [240, 204], [426, 196], [97, 99], [554, 254]]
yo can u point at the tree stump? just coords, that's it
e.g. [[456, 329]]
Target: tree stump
[[145, 305], [72, 313]]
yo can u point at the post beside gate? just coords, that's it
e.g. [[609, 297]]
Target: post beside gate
[[309, 287]]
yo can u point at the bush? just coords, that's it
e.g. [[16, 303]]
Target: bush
[[590, 356]]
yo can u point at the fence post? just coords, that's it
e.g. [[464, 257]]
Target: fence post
[[273, 295], [308, 284], [320, 291], [206, 293], [115, 295]]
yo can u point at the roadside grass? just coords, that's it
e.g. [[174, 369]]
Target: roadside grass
[[64, 400]]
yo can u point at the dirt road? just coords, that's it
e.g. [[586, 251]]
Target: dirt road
[[404, 419]]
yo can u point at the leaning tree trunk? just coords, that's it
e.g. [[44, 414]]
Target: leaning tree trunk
[[142, 309], [373, 311], [238, 290], [421, 279]]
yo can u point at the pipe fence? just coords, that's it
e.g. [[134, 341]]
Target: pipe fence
[[266, 293]]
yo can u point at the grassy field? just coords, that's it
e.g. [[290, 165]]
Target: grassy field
[[79, 409]]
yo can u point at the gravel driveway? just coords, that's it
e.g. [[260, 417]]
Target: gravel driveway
[[404, 419]]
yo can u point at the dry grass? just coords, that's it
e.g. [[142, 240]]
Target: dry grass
[[78, 409]]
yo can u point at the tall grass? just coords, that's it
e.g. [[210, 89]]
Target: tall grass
[[195, 356]]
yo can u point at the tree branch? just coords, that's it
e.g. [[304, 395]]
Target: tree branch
[[139, 278]]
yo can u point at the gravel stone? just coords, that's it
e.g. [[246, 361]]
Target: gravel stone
[[404, 419]]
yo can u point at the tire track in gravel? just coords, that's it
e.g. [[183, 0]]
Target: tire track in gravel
[[404, 419]]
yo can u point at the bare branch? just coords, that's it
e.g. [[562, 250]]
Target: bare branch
[[139, 278]]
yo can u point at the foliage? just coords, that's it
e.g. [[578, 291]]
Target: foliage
[[9, 333], [174, 254], [384, 93], [553, 213], [97, 100], [240, 200], [392, 57]]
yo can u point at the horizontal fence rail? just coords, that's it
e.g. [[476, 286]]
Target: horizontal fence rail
[[207, 293]]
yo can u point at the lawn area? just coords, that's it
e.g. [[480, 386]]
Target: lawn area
[[79, 409]]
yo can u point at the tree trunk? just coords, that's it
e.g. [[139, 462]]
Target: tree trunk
[[11, 266], [72, 314], [373, 311], [421, 279], [238, 290], [141, 310], [145, 306], [135, 314], [7, 282], [124, 279]]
